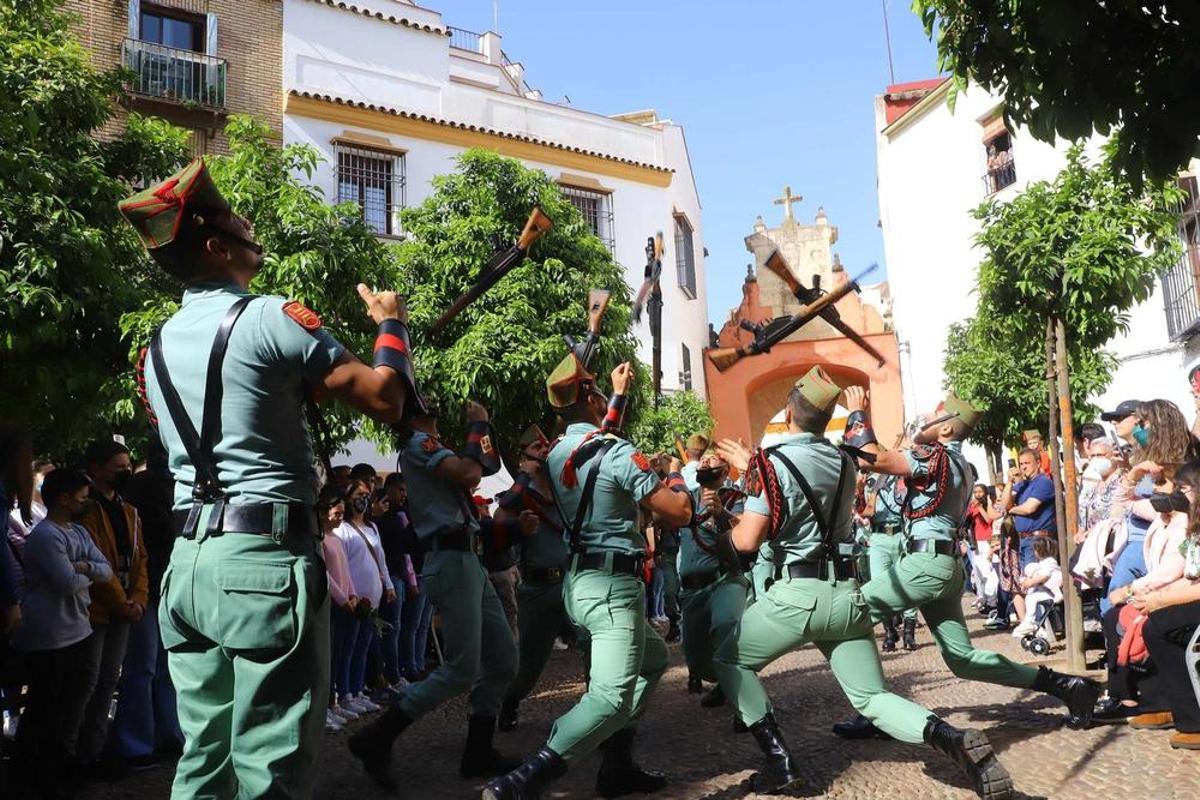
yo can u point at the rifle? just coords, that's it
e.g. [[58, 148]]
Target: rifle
[[597, 305], [682, 450], [654, 251], [772, 333], [776, 263], [499, 265]]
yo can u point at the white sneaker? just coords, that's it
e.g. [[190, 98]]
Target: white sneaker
[[1023, 630], [362, 704], [399, 686], [332, 723], [346, 708]]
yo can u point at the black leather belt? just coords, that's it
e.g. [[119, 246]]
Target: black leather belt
[[699, 580], [259, 519], [889, 529], [1036, 534], [622, 563], [843, 570], [942, 547], [542, 576], [460, 540]]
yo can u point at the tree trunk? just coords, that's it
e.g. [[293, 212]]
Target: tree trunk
[[1076, 659]]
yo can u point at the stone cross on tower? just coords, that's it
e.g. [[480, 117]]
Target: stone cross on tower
[[787, 200]]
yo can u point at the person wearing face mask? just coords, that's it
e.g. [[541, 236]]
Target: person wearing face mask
[[61, 563], [929, 575], [1096, 499], [118, 603], [540, 610]]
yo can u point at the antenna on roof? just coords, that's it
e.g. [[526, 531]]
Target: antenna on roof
[[496, 17], [887, 37]]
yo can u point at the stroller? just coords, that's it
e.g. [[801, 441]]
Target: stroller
[[1048, 616]]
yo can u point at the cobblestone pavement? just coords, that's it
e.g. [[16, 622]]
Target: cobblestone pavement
[[705, 759]]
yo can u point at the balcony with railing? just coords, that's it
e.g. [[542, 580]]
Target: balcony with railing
[[463, 39], [173, 75], [999, 177], [1181, 285]]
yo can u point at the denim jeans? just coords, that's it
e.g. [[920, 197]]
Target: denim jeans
[[363, 640], [415, 619], [102, 654], [146, 718], [389, 642], [1129, 566], [343, 634], [656, 596]]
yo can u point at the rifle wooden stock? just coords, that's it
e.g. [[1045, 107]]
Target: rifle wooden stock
[[776, 263], [597, 305], [682, 450], [500, 264], [725, 357], [654, 252], [537, 224]]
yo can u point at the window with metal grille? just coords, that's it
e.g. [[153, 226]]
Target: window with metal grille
[[685, 363], [596, 208], [685, 256], [375, 181], [1181, 286]]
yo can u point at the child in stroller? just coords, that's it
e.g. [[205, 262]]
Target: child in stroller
[[1042, 582]]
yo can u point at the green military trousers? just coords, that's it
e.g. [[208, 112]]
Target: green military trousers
[[628, 658], [709, 615], [933, 583], [479, 654], [834, 617], [540, 617], [883, 552], [245, 622]]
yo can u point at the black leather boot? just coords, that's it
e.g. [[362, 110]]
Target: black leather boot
[[890, 636], [715, 698], [507, 721], [479, 758], [1080, 694], [971, 751], [738, 725], [619, 775], [527, 781], [372, 745], [780, 771], [695, 685], [674, 634], [858, 728], [910, 634]]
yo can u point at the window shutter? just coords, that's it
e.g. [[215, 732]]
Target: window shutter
[[135, 19], [210, 34]]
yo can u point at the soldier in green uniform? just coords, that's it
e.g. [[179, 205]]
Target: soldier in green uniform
[[601, 484], [801, 520], [711, 574], [885, 544], [929, 575], [244, 612], [480, 657], [540, 612]]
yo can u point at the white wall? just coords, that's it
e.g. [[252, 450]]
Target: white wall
[[331, 51], [930, 177]]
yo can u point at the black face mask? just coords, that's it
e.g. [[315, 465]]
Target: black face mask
[[1175, 501], [121, 480], [359, 504], [709, 476]]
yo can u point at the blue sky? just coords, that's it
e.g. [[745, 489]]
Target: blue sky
[[769, 93]]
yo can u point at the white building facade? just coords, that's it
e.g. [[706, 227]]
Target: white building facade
[[934, 167], [390, 95]]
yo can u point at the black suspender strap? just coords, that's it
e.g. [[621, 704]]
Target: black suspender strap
[[826, 525], [199, 447], [585, 497]]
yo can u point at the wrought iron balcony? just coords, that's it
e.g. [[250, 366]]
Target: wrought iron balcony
[[463, 39], [175, 76], [999, 177]]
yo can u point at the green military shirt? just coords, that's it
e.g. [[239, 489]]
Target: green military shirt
[[694, 555], [820, 462], [942, 523], [264, 453], [887, 504], [437, 506], [624, 480], [547, 548]]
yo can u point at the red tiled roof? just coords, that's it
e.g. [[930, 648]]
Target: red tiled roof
[[900, 97], [366, 12]]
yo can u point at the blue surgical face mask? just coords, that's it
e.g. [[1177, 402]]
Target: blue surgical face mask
[[1141, 434]]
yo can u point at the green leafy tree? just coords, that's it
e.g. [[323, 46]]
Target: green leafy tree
[[1083, 249], [679, 413], [500, 349], [314, 252], [69, 267], [1065, 68]]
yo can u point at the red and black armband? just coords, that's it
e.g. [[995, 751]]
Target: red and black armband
[[859, 432], [676, 483], [481, 446], [141, 387], [392, 348], [615, 414]]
